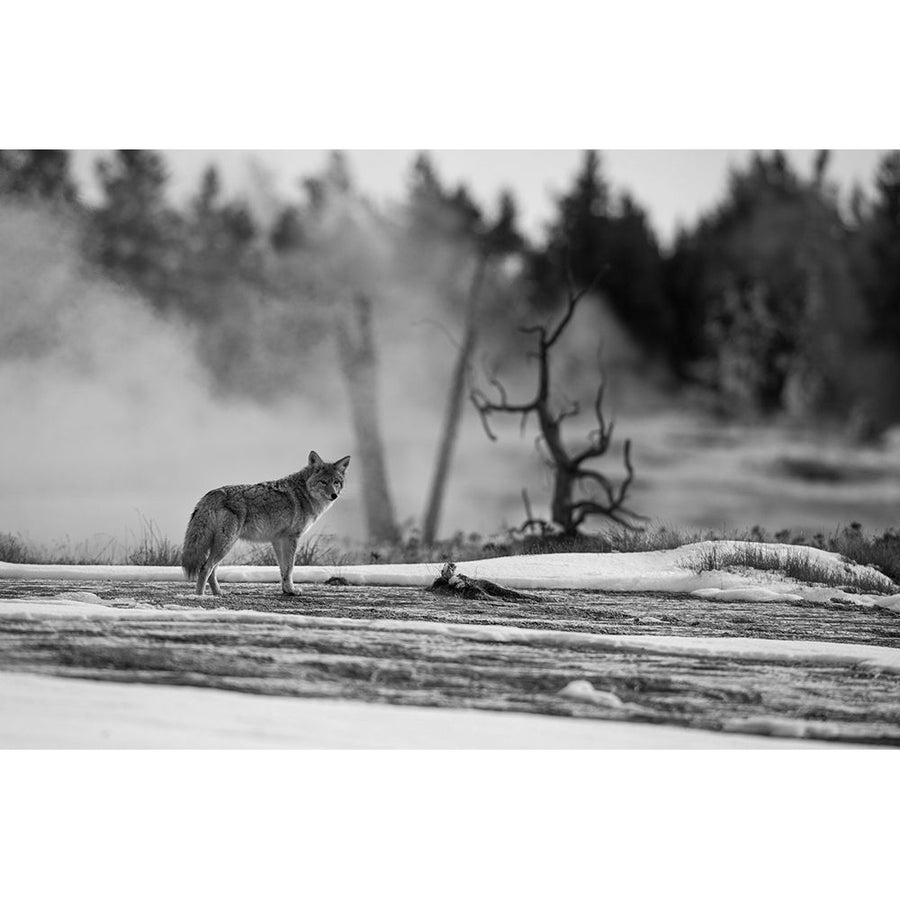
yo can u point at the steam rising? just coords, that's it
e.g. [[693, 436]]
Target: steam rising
[[109, 414]]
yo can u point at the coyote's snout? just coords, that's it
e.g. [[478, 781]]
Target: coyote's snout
[[271, 511]]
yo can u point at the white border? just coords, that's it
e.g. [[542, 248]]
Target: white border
[[692, 74]]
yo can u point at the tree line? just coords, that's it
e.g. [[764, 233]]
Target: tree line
[[769, 299]]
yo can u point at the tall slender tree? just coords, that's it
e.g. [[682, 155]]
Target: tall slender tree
[[345, 251], [492, 244]]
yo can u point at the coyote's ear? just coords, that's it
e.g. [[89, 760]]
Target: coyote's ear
[[342, 464], [314, 458]]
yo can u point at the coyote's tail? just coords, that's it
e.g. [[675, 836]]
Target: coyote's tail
[[197, 539]]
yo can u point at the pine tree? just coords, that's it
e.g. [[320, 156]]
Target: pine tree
[[882, 282], [37, 175], [594, 233], [287, 233], [134, 234], [635, 280], [578, 241], [763, 289], [225, 228], [218, 261]]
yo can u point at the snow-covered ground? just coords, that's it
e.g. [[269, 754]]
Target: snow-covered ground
[[45, 712], [658, 570], [861, 656]]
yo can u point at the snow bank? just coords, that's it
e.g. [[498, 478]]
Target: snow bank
[[659, 570], [47, 712], [864, 656]]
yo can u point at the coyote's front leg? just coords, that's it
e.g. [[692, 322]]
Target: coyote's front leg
[[285, 551]]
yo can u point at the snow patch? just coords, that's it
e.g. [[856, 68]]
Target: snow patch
[[48, 712], [78, 597], [777, 726], [582, 689], [747, 593]]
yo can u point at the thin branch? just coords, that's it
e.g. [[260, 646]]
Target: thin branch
[[543, 455], [527, 503], [621, 516], [573, 300], [602, 480], [530, 520], [629, 468], [485, 407], [457, 345], [573, 410], [524, 422], [599, 439], [480, 402]]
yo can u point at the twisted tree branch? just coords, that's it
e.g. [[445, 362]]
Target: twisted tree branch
[[567, 514]]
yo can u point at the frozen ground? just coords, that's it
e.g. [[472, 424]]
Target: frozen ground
[[764, 658]]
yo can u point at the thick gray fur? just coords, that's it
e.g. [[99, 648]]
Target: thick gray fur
[[271, 511]]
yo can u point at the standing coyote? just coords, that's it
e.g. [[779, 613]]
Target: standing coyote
[[277, 511]]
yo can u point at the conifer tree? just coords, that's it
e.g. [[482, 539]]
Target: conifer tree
[[882, 281], [763, 289], [134, 234], [37, 175], [592, 231]]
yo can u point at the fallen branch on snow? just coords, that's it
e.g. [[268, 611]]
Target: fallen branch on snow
[[451, 582]]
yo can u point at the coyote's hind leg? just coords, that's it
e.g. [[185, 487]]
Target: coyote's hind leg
[[223, 541]]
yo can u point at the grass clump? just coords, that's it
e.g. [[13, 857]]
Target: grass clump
[[316, 551], [14, 550], [797, 564], [150, 548], [881, 551], [614, 540], [153, 548]]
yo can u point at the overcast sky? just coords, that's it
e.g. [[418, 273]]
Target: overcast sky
[[673, 185]]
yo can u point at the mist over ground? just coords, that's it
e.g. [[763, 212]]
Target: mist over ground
[[111, 417], [126, 393]]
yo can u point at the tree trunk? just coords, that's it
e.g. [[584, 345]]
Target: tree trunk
[[356, 347], [561, 503], [454, 408]]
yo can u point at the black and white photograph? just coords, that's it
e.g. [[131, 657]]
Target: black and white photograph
[[586, 466], [449, 454]]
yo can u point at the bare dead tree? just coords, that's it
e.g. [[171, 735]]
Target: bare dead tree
[[604, 497], [356, 348]]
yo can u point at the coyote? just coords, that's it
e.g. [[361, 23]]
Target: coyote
[[277, 511]]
